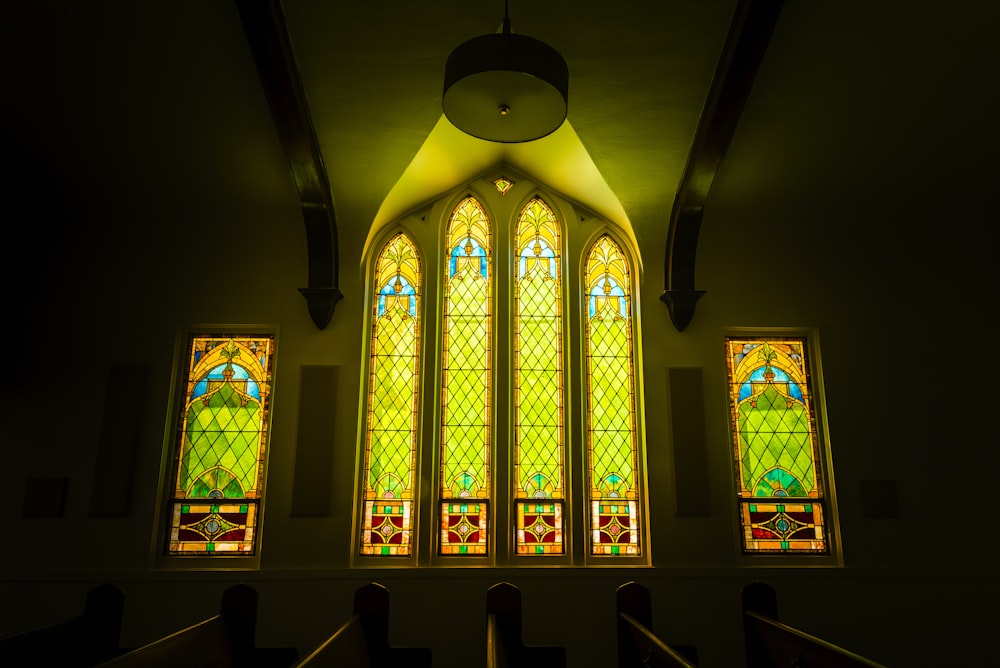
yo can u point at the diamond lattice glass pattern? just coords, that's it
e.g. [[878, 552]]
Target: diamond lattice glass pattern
[[775, 445], [538, 360], [612, 450], [390, 450], [466, 389], [222, 443]]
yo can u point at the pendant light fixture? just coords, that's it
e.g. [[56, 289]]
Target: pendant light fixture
[[506, 88]]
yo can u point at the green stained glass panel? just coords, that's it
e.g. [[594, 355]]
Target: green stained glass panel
[[612, 448], [466, 392], [222, 443], [390, 451], [775, 444], [538, 372]]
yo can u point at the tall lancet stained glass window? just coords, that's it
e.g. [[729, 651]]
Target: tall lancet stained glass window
[[390, 447], [776, 445], [466, 385], [539, 389], [612, 451], [222, 436]]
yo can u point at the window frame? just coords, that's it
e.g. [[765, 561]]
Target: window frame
[[159, 555], [579, 229], [824, 459], [417, 517]]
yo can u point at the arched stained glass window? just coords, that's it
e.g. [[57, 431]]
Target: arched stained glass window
[[500, 436], [776, 446], [466, 382], [390, 448], [222, 439], [612, 451], [538, 382]]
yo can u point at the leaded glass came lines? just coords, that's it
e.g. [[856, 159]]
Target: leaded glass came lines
[[222, 443], [466, 381], [612, 449], [538, 378], [775, 445], [390, 449]]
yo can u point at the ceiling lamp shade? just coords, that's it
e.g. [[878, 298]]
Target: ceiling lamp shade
[[505, 87]]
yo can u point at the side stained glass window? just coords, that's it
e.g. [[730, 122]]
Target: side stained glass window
[[538, 382], [776, 446], [612, 452], [466, 391], [222, 441], [390, 448]]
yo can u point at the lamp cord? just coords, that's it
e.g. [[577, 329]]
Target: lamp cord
[[506, 19]]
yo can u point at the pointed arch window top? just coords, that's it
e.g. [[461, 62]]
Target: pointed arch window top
[[398, 276], [538, 244], [468, 242], [607, 279]]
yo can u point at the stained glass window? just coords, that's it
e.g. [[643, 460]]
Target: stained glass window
[[775, 445], [466, 383], [222, 436], [612, 453], [390, 448], [538, 382], [499, 437]]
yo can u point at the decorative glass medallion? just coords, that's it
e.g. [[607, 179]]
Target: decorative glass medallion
[[464, 527], [539, 527], [503, 185]]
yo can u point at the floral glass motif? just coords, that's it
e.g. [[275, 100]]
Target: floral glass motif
[[222, 436], [538, 382], [466, 388], [611, 437], [390, 448], [775, 445]]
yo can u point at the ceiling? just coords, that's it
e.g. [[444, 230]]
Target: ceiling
[[639, 77], [638, 83], [124, 103]]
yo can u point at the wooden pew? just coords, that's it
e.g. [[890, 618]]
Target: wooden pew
[[82, 641], [363, 641], [771, 643], [638, 646], [504, 648], [221, 641]]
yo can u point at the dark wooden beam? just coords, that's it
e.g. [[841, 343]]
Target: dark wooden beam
[[267, 35], [749, 34]]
